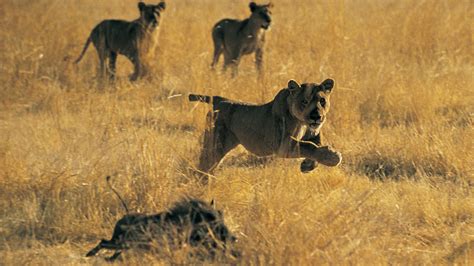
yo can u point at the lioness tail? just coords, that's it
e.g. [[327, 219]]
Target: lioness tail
[[86, 45], [214, 100], [200, 98], [116, 193]]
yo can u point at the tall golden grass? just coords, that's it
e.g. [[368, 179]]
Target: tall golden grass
[[402, 116]]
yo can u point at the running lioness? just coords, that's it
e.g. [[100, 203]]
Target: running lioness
[[288, 127]]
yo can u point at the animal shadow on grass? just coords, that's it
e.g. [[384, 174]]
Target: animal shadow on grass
[[379, 167], [160, 125], [247, 160], [189, 174], [461, 252]]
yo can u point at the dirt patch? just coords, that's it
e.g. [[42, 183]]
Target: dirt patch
[[246, 160], [160, 125]]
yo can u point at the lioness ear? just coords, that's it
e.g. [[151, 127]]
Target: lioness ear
[[141, 5], [293, 86], [328, 84], [161, 6], [252, 6], [270, 5]]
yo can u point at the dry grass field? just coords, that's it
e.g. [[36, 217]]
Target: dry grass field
[[401, 115]]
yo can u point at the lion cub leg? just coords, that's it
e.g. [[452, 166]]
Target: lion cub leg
[[232, 60], [218, 49], [137, 67], [112, 63], [102, 69], [102, 53], [259, 61]]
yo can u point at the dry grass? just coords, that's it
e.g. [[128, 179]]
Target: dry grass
[[402, 116]]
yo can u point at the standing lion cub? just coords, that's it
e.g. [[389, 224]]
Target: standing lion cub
[[235, 38], [137, 40], [288, 127]]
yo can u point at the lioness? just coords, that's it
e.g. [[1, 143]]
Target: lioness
[[288, 127], [134, 39], [196, 222], [235, 37]]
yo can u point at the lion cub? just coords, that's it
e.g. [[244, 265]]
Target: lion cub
[[235, 38], [134, 39], [288, 127]]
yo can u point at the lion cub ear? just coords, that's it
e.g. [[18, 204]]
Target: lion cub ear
[[161, 6], [293, 86], [328, 84], [141, 6], [252, 6]]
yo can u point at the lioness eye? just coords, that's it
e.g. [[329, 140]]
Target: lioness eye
[[322, 102], [304, 102]]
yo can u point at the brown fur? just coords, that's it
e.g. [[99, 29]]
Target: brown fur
[[135, 39], [288, 127], [192, 220], [235, 38]]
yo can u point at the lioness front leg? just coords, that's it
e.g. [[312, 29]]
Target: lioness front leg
[[324, 155], [311, 151], [308, 165]]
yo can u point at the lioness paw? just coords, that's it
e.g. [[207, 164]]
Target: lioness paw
[[308, 165], [329, 157]]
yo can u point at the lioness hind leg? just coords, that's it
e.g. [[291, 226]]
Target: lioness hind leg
[[218, 141], [107, 244], [215, 147], [115, 256], [94, 251]]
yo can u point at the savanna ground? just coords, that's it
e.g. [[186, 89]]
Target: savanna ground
[[402, 116]]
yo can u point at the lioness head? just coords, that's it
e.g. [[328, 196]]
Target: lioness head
[[150, 14], [261, 13], [309, 102], [204, 218]]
